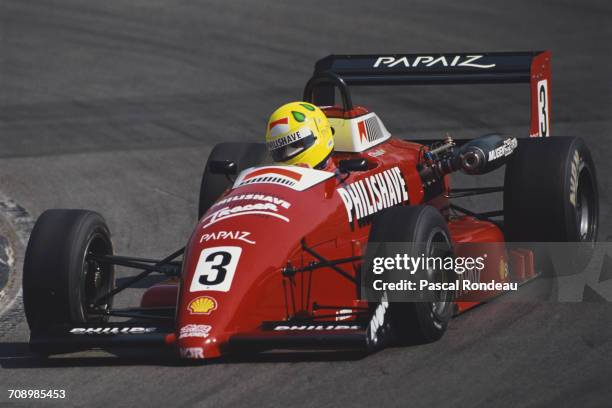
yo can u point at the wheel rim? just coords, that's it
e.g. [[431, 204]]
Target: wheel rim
[[438, 245], [97, 276], [585, 208]]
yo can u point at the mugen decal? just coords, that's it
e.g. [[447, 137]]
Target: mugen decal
[[194, 330], [503, 151], [372, 194]]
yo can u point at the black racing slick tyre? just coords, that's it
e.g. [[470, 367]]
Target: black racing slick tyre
[[550, 192], [59, 281], [551, 196], [414, 231], [245, 155]]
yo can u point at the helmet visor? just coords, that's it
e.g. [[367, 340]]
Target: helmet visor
[[284, 151]]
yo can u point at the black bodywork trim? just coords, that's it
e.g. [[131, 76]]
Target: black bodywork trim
[[281, 340], [165, 266]]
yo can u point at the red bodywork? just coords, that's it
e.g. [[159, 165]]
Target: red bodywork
[[316, 217]]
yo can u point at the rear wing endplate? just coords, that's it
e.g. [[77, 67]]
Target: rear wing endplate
[[531, 67]]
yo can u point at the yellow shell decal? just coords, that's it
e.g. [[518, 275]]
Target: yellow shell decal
[[202, 305]]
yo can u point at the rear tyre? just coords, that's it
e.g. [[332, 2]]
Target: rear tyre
[[550, 192], [418, 231], [245, 155], [59, 283], [551, 195]]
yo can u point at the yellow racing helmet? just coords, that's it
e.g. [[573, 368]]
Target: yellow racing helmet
[[299, 133]]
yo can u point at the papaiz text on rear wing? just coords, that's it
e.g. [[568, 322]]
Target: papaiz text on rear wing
[[531, 67]]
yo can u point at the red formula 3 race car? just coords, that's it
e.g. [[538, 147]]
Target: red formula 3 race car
[[277, 257]]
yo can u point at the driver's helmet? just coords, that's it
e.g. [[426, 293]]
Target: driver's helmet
[[299, 133]]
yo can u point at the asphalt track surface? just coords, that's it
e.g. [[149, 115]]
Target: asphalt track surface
[[115, 105]]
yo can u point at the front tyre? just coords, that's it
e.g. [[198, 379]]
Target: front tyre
[[60, 282], [416, 231]]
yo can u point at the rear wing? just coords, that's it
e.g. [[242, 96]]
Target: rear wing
[[532, 67]]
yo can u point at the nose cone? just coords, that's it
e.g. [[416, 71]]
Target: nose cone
[[232, 280], [230, 284]]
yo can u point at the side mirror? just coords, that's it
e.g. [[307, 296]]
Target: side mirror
[[348, 165], [226, 167]]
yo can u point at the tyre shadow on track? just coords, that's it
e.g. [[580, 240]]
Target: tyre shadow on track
[[17, 355]]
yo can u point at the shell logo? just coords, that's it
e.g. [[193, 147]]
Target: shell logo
[[202, 305]]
